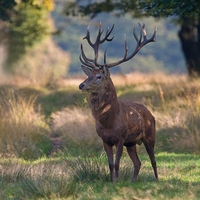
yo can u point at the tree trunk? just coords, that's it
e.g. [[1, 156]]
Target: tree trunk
[[190, 40]]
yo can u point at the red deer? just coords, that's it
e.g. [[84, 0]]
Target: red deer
[[118, 123]]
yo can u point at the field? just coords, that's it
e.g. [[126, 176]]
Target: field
[[49, 148]]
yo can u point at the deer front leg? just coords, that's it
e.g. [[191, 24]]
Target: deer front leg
[[134, 157], [119, 150], [109, 152]]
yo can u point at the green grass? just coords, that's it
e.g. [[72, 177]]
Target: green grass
[[79, 170], [88, 178], [56, 100]]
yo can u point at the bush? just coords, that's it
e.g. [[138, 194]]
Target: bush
[[43, 64]]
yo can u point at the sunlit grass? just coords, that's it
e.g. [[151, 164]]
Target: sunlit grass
[[87, 177], [79, 169], [23, 132]]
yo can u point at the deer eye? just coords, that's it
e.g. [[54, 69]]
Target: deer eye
[[98, 76]]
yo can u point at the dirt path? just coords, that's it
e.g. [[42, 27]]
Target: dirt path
[[57, 144]]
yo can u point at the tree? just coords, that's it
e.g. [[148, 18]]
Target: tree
[[26, 24], [6, 8], [185, 12]]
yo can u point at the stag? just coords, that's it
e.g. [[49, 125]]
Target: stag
[[118, 123]]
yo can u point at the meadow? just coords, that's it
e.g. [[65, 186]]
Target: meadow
[[49, 148]]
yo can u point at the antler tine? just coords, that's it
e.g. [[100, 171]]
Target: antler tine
[[84, 60], [100, 41], [87, 37], [104, 57], [145, 40], [143, 31], [95, 46], [126, 47], [108, 32], [141, 41], [135, 35], [91, 65], [84, 56]]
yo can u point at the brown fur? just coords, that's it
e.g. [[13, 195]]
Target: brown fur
[[119, 123]]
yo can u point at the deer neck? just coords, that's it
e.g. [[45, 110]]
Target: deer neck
[[104, 104]]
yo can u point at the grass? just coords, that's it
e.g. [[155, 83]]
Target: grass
[[87, 178], [23, 132], [78, 169]]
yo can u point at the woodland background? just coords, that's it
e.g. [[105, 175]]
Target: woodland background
[[55, 47]]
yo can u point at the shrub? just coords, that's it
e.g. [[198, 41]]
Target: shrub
[[43, 64]]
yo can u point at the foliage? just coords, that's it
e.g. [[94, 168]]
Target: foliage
[[6, 6], [163, 8], [27, 23], [137, 8], [43, 64], [93, 8], [26, 29]]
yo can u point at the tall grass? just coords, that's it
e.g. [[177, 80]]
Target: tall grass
[[178, 115], [23, 132], [76, 128], [189, 139], [45, 179], [79, 170]]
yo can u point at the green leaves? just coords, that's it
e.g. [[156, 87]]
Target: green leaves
[[29, 26], [156, 8], [5, 7]]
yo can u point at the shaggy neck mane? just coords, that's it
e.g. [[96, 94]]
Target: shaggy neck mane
[[105, 105]]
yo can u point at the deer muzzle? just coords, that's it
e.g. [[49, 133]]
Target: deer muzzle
[[81, 86]]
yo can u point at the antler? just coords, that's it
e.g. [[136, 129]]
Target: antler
[[140, 44], [141, 41], [93, 62]]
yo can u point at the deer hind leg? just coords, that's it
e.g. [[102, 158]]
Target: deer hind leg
[[134, 157], [109, 152], [149, 145]]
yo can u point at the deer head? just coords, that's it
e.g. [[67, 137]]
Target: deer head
[[98, 73]]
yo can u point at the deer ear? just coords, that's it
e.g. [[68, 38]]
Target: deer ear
[[86, 70], [106, 71]]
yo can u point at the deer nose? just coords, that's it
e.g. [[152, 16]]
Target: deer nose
[[81, 86]]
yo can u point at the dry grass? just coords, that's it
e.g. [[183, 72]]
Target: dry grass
[[21, 128], [135, 78], [75, 125], [141, 78], [178, 114], [173, 99]]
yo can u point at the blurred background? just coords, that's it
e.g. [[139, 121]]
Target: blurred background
[[40, 39]]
